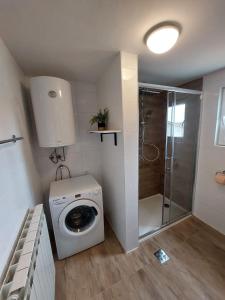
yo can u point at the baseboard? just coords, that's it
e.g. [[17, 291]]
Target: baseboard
[[129, 251], [207, 224]]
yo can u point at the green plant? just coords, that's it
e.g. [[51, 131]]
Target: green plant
[[101, 117]]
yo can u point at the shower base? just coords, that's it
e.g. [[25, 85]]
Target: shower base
[[150, 213]]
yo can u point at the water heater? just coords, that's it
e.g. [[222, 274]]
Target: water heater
[[53, 111]]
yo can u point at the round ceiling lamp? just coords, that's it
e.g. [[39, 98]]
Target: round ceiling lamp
[[162, 38]]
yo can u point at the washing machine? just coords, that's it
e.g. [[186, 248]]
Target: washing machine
[[76, 208]]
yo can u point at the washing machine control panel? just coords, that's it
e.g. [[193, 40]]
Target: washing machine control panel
[[77, 196], [60, 200]]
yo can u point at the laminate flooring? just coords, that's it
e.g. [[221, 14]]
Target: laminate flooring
[[196, 269]]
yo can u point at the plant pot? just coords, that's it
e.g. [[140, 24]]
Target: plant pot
[[101, 126]]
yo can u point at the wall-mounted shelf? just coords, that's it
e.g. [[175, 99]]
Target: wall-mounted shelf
[[102, 132]]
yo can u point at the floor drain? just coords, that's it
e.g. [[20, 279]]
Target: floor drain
[[161, 256]]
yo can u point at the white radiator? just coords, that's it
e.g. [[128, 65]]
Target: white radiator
[[31, 272]]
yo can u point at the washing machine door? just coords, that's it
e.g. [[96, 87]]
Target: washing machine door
[[79, 217]]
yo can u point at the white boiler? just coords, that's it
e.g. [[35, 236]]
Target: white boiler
[[53, 111]]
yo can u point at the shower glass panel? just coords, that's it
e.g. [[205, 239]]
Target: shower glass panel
[[183, 113], [168, 134]]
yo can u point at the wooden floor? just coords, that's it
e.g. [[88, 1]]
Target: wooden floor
[[196, 269]]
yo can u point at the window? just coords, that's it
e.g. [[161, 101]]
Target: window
[[178, 118], [220, 126]]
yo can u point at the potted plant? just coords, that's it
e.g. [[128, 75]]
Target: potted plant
[[101, 118]]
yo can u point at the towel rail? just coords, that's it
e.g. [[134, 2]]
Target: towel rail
[[14, 139]]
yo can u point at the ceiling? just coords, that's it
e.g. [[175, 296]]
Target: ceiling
[[76, 39]]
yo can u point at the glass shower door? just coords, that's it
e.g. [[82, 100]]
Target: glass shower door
[[169, 149], [183, 113]]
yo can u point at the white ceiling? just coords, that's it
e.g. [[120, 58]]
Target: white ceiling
[[76, 39]]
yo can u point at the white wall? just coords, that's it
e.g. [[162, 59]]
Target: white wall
[[82, 157], [209, 204], [109, 94], [19, 179], [130, 133], [117, 90]]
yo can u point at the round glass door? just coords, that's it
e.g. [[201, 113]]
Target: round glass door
[[80, 218]]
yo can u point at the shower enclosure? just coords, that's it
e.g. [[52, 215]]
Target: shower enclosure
[[168, 136]]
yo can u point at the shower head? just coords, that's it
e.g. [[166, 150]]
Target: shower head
[[148, 114], [146, 117]]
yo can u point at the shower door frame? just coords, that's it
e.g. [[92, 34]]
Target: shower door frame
[[168, 88], [167, 158], [174, 90]]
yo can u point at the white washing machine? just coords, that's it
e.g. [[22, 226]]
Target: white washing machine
[[77, 214]]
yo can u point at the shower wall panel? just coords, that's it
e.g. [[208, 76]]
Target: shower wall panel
[[185, 153], [151, 174], [185, 148]]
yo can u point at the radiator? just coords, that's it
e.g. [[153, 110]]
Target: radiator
[[31, 272]]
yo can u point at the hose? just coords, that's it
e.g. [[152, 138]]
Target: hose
[[143, 124]]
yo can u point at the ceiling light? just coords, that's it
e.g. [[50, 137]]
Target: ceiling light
[[162, 39]]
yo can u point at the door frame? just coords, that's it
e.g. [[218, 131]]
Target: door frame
[[168, 88], [182, 91]]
